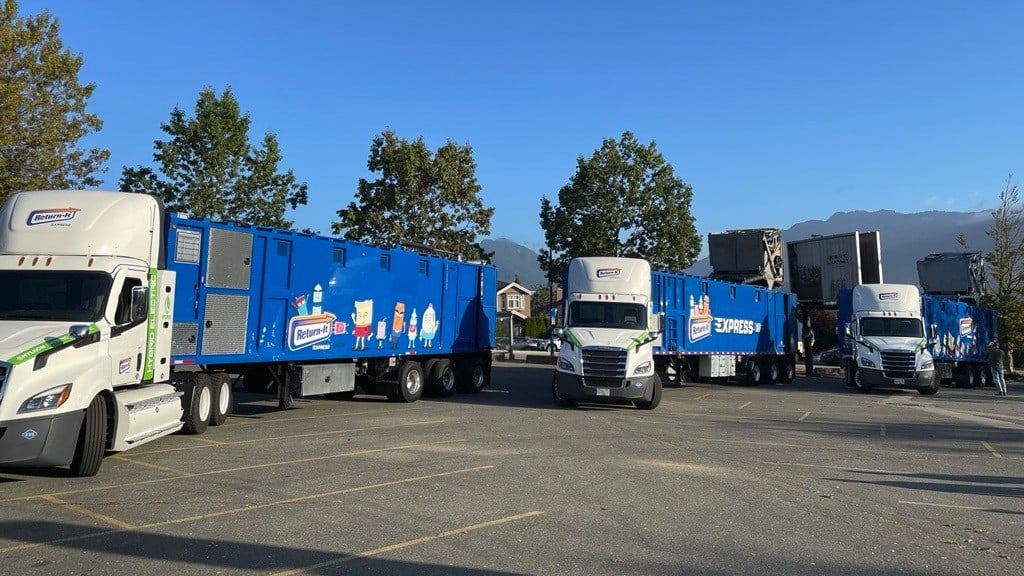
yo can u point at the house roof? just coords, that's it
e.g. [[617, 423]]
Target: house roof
[[516, 286]]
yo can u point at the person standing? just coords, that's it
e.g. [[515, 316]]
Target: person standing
[[995, 361]]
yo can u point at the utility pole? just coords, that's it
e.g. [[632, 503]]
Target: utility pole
[[551, 303]]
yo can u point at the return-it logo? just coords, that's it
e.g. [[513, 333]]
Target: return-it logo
[[609, 272], [51, 215]]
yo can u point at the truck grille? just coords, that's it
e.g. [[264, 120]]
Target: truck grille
[[898, 363], [604, 367]]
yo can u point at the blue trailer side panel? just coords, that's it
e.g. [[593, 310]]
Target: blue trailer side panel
[[704, 316], [247, 295], [962, 331]]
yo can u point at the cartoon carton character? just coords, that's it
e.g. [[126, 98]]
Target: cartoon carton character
[[397, 323], [362, 318], [428, 326], [412, 329], [382, 332]]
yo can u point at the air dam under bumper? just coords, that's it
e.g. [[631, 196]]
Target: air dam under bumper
[[875, 378], [40, 442], [571, 387]]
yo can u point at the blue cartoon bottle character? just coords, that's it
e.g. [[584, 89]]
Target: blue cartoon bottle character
[[382, 332], [362, 318], [428, 327]]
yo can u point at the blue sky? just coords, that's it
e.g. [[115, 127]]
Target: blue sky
[[775, 112]]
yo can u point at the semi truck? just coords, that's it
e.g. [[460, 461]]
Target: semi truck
[[626, 327], [120, 323], [893, 336]]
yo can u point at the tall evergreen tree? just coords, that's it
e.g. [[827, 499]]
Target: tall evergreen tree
[[211, 170], [43, 108], [420, 197], [624, 200], [1005, 292]]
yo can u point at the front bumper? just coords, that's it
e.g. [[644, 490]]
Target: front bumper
[[574, 387], [877, 378], [40, 442]]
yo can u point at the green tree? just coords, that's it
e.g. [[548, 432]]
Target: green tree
[[210, 169], [43, 108], [1006, 267], [419, 197], [624, 200]]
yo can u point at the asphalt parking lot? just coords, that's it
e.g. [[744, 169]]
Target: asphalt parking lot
[[804, 478]]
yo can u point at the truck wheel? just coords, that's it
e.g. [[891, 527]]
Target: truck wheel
[[787, 370], [858, 383], [563, 402], [410, 383], [655, 398], [969, 377], [982, 379], [753, 376], [92, 439], [199, 398], [472, 377], [770, 371], [223, 399], [442, 379], [929, 390]]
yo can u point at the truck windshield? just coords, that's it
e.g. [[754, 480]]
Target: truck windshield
[[900, 327], [607, 315], [53, 295]]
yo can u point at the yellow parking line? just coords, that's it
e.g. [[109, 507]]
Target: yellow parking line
[[83, 510], [804, 417], [703, 396], [991, 449], [239, 469], [130, 528], [149, 465], [407, 543], [745, 404]]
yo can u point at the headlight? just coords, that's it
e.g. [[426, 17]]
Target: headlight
[[643, 368], [866, 362], [564, 364], [52, 398], [927, 365]]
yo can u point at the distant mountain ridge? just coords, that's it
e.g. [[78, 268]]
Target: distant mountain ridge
[[905, 238]]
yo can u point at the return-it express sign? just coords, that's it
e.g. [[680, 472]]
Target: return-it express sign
[[308, 330]]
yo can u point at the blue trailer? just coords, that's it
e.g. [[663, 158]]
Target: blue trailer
[[957, 331], [317, 315], [714, 329]]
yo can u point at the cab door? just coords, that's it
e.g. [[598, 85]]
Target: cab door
[[128, 331]]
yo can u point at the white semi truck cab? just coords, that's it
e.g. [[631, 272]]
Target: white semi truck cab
[[607, 333], [85, 311], [888, 341]]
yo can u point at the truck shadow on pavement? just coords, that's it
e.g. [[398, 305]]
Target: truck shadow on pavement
[[197, 552], [993, 486]]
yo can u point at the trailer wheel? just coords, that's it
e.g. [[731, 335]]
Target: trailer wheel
[[787, 370], [91, 440], [753, 376], [969, 377], [410, 383], [770, 371], [563, 402], [982, 379], [472, 376], [441, 381], [199, 402], [223, 399], [655, 398]]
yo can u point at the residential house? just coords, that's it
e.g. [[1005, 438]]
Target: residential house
[[514, 300]]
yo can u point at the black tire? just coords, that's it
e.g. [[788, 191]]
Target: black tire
[[753, 376], [655, 398], [471, 376], [787, 370], [410, 382], [92, 440], [199, 402], [223, 399], [858, 385], [563, 402], [441, 379], [929, 390], [969, 377], [982, 379], [769, 371]]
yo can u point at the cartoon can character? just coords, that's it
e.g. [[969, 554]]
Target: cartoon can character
[[397, 323], [362, 319], [412, 329], [382, 331], [428, 327]]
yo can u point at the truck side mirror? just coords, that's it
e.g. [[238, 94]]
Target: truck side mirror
[[140, 303], [557, 333], [657, 322]]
